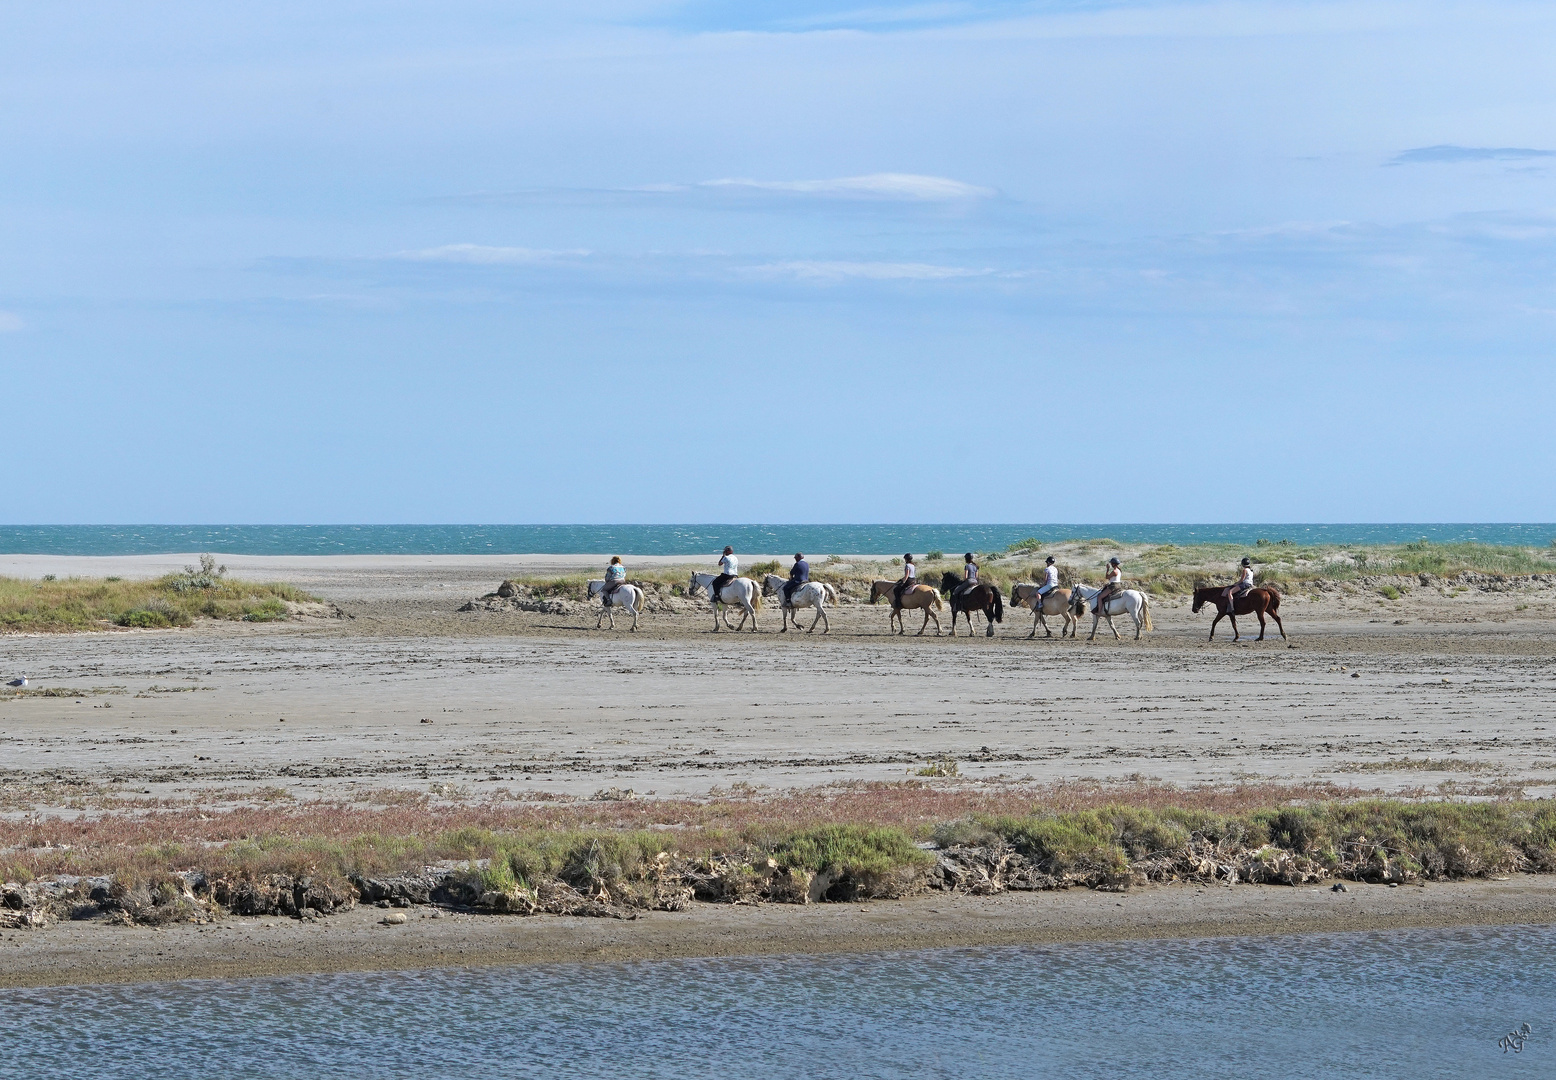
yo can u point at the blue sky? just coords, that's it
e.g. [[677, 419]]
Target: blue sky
[[724, 261]]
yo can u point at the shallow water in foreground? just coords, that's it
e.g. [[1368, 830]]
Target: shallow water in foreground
[[1399, 1004]]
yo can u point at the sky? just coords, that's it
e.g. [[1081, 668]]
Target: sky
[[654, 261]]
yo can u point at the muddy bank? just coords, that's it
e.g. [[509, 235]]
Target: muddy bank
[[358, 940]]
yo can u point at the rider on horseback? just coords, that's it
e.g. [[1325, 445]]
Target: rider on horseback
[[799, 574], [1114, 584], [969, 574], [906, 582], [615, 577], [729, 569], [1050, 582], [1231, 593]]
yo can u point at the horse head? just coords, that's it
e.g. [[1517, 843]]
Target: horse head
[[691, 590], [1199, 600], [949, 581]]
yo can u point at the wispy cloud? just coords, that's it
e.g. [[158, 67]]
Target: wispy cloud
[[818, 270], [484, 255], [10, 322], [1448, 154], [900, 187]]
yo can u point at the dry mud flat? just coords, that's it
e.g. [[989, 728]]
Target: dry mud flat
[[359, 940], [471, 704]]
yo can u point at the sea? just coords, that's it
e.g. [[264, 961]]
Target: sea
[[1418, 1004], [702, 539]]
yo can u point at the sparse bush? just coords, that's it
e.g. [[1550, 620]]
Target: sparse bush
[[1389, 592]]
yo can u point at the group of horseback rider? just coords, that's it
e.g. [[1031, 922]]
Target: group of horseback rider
[[799, 574]]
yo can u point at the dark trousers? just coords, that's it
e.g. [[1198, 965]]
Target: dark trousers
[[788, 589], [718, 585]]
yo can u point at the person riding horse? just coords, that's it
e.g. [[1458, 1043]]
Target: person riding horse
[[1231, 593], [1114, 584], [906, 582], [729, 570], [615, 577], [799, 574], [1050, 583], [969, 574]]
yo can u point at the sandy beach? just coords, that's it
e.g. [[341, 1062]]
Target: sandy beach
[[403, 691]]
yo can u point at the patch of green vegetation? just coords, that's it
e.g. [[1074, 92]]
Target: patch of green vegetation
[[1389, 592], [202, 591]]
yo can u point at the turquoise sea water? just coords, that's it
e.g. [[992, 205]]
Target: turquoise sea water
[[694, 539], [1416, 1004]]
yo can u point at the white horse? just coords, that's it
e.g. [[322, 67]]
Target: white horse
[[742, 591], [1136, 603], [629, 597], [816, 594]]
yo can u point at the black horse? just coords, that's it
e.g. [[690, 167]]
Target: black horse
[[981, 597]]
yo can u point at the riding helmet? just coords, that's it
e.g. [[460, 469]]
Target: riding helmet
[[1113, 561], [968, 557], [1050, 560], [1247, 561]]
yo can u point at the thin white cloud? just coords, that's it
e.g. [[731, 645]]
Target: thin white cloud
[[484, 255], [900, 187], [10, 322], [1447, 154], [808, 270]]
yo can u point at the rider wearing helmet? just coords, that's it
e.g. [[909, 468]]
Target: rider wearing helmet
[[799, 574], [906, 582], [1230, 594], [1050, 581], [729, 569], [969, 573], [1114, 584]]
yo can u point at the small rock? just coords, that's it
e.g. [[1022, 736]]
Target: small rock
[[393, 919], [1355, 674], [1339, 886]]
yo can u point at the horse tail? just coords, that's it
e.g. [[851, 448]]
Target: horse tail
[[1274, 600], [756, 604], [939, 606], [999, 607], [1145, 612]]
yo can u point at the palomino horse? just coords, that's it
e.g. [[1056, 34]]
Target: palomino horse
[[816, 594], [741, 591], [1057, 602], [629, 597], [919, 597], [1260, 601], [981, 597], [1136, 603]]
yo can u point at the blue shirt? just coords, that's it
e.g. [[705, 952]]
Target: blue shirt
[[615, 572], [801, 571]]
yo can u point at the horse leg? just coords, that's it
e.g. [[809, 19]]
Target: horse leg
[[1233, 618], [1096, 621], [1036, 618], [820, 614], [925, 625], [751, 611], [990, 617], [1213, 622], [1276, 616], [1260, 612], [1116, 636], [634, 610]]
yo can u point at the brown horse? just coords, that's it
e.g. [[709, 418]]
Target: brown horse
[[981, 597], [1056, 602], [919, 597], [1260, 601]]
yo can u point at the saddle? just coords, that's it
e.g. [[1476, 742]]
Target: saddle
[[610, 591]]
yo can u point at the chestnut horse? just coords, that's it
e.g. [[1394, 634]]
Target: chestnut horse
[[1260, 601], [981, 597], [919, 597]]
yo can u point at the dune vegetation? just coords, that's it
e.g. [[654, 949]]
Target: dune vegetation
[[1161, 569], [199, 592]]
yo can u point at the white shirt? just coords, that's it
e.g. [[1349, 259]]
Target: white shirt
[[1247, 576], [909, 571], [729, 565], [1051, 577], [1113, 575]]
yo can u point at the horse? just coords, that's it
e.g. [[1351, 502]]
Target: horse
[[816, 594], [627, 596], [916, 597], [981, 597], [1136, 603], [742, 591], [1260, 601], [1056, 602]]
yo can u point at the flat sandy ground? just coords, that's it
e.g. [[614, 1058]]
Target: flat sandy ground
[[1397, 695], [1423, 695]]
